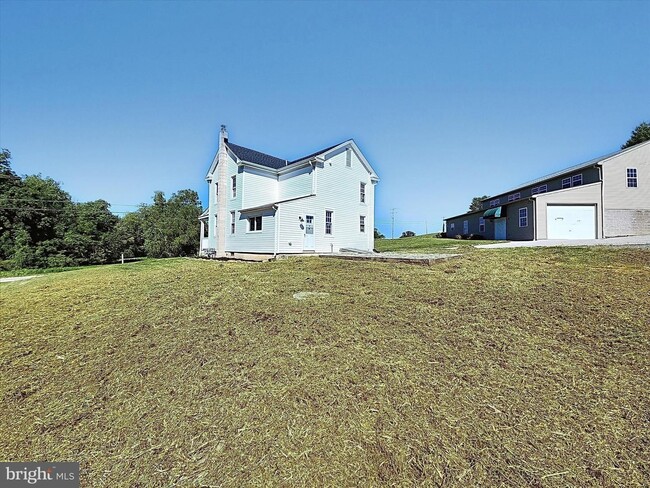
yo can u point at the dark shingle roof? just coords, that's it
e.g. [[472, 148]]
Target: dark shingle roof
[[257, 157], [315, 154], [252, 156]]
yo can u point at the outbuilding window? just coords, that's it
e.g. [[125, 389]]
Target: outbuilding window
[[576, 180], [523, 217], [566, 183], [254, 224], [481, 224], [632, 180]]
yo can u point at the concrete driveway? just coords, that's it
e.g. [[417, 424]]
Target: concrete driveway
[[612, 241]]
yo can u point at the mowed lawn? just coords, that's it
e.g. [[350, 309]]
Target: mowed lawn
[[512, 367]]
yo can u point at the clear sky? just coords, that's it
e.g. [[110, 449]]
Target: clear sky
[[447, 100]]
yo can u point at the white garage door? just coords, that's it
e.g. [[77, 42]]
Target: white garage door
[[571, 221]]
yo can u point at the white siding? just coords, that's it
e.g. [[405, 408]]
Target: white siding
[[258, 188], [244, 241], [295, 184], [291, 228]]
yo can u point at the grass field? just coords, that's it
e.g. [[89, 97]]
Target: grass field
[[427, 244], [513, 367]]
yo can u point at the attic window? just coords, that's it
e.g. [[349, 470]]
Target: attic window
[[348, 158]]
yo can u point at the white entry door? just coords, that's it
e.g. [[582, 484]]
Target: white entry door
[[309, 243], [500, 229], [571, 221]]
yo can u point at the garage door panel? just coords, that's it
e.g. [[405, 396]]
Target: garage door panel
[[571, 221]]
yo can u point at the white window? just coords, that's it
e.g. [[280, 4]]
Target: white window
[[514, 196], [362, 192], [632, 180], [348, 158], [576, 180], [495, 202], [451, 226], [362, 223], [566, 183], [543, 189], [328, 222], [254, 224], [465, 227], [234, 186], [232, 222], [216, 189], [523, 217], [481, 224]]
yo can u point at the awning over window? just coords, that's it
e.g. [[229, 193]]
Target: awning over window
[[494, 213]]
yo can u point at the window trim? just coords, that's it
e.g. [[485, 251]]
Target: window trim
[[331, 232], [514, 197], [233, 222], [481, 224], [348, 158], [495, 203], [629, 179], [452, 226], [566, 182], [362, 223], [362, 192], [574, 178], [254, 219], [233, 186], [523, 218]]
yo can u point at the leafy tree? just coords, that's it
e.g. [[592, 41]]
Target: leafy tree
[[640, 134], [379, 235], [476, 203], [407, 233]]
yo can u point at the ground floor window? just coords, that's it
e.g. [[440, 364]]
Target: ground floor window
[[254, 224], [328, 222], [232, 222], [362, 223], [465, 227], [481, 224], [523, 217]]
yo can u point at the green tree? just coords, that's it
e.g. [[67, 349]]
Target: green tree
[[476, 203], [407, 233], [379, 235], [640, 134]]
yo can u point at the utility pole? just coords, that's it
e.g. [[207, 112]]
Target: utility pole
[[392, 223]]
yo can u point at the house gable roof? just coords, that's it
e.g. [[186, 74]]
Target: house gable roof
[[257, 157]]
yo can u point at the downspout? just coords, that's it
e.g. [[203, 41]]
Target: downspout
[[602, 202], [277, 232], [534, 218]]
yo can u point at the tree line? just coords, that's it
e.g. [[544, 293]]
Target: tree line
[[40, 225]]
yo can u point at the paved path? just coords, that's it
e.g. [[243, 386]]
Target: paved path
[[16, 278], [612, 241]]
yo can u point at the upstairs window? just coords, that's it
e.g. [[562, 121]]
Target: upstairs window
[[543, 189], [328, 222], [348, 158], [254, 224], [216, 189], [576, 180], [495, 202], [362, 192], [362, 223], [632, 179], [234, 186], [523, 217], [514, 196], [566, 183]]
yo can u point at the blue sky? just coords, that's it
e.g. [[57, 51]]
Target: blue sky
[[447, 100]]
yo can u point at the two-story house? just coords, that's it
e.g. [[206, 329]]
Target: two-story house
[[264, 205], [605, 197]]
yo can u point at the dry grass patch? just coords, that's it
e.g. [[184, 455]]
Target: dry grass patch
[[516, 367]]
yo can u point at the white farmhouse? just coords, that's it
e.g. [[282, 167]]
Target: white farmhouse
[[263, 205]]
